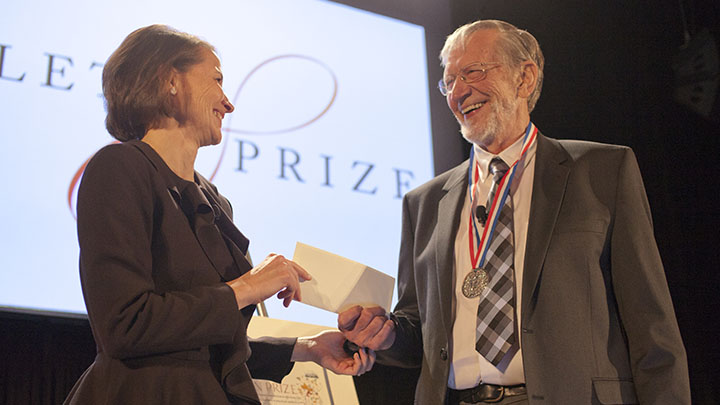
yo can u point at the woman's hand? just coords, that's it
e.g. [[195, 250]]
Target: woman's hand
[[326, 349], [275, 274]]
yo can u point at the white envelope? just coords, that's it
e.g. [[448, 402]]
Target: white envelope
[[339, 283]]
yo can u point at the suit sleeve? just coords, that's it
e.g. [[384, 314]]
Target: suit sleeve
[[117, 218], [657, 354], [270, 359], [407, 349]]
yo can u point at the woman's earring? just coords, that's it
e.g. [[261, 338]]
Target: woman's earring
[[173, 91]]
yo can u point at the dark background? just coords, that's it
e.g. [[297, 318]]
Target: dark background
[[611, 76]]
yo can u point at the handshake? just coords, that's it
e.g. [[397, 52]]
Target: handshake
[[338, 282], [367, 327], [352, 350]]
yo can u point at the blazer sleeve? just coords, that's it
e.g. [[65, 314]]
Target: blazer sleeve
[[407, 349], [270, 359], [657, 354], [118, 203]]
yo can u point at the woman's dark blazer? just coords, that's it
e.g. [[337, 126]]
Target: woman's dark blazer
[[155, 251]]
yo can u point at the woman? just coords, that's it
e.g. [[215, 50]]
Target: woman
[[167, 285]]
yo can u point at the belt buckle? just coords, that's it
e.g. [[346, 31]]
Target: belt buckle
[[475, 398], [499, 398]]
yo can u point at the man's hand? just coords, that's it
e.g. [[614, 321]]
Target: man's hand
[[367, 327]]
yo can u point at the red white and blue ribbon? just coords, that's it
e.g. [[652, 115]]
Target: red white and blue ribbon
[[477, 257]]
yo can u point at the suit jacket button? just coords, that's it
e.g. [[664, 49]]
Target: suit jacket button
[[443, 354]]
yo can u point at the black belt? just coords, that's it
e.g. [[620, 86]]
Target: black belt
[[487, 393]]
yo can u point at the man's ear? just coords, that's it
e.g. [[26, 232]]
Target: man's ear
[[528, 79]]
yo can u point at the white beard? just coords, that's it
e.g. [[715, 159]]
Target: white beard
[[500, 115]]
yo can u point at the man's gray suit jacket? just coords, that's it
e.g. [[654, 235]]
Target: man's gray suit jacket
[[597, 326]]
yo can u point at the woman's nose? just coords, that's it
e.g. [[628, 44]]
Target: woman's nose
[[228, 105]]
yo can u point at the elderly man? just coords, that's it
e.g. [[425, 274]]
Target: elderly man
[[529, 273]]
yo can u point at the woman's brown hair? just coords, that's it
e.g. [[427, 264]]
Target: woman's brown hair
[[136, 78]]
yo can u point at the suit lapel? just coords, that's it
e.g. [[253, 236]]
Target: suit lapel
[[549, 184], [449, 207]]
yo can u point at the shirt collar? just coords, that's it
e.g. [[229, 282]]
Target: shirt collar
[[509, 156]]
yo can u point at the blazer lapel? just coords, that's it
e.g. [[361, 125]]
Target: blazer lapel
[[549, 184], [449, 207]]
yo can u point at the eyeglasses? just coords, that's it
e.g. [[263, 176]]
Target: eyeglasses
[[471, 73]]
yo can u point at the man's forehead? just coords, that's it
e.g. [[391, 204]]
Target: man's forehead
[[477, 47]]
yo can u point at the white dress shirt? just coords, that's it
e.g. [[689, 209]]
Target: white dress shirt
[[468, 368]]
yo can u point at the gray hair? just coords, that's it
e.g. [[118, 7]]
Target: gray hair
[[515, 46]]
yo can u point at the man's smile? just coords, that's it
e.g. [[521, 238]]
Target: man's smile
[[472, 107]]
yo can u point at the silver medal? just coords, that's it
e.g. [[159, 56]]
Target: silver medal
[[474, 283]]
